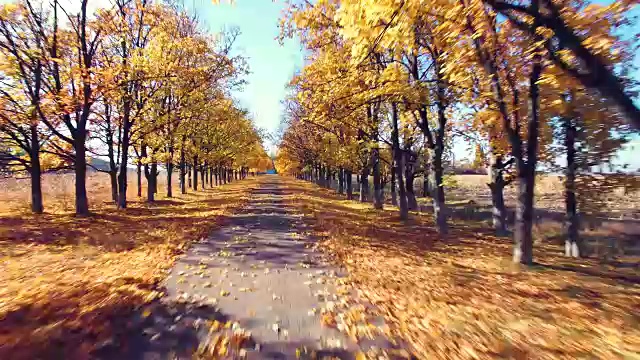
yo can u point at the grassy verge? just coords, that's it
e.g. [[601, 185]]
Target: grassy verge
[[460, 297], [67, 283]]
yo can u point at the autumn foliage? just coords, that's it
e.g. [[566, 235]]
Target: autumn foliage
[[388, 85], [136, 83]]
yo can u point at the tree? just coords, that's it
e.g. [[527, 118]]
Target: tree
[[584, 39], [21, 93], [454, 63], [479, 158], [73, 89], [140, 77]]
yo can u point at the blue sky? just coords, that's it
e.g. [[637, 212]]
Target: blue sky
[[271, 64]]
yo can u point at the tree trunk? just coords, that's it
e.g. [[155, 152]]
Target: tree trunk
[[328, 177], [377, 188], [122, 175], [169, 176], [523, 239], [113, 177], [412, 202], [113, 171], [364, 184], [154, 170], [148, 174], [426, 188], [384, 181], [195, 172], [499, 212], [573, 246], [398, 158], [183, 168], [439, 209], [203, 176], [37, 206], [349, 180], [341, 181], [35, 173], [496, 185], [82, 204], [139, 174], [320, 175], [394, 186], [151, 181]]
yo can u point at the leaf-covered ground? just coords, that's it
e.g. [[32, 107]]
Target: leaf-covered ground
[[460, 297], [67, 283]]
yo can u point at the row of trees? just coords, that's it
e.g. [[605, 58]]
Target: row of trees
[[389, 83], [137, 83]]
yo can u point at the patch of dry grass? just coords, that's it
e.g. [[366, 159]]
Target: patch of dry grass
[[68, 283], [460, 297], [549, 193]]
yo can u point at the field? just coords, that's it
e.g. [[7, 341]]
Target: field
[[611, 232], [549, 195], [67, 282]]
